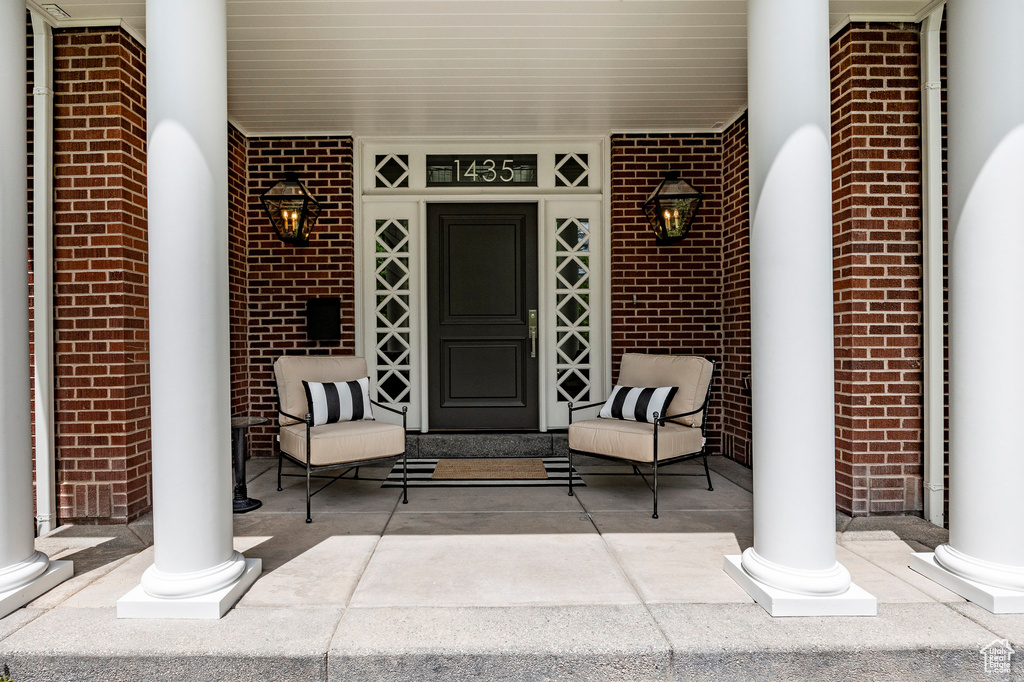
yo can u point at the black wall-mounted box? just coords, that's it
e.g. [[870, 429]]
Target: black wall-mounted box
[[323, 319]]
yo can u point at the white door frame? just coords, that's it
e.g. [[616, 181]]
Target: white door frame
[[590, 204]]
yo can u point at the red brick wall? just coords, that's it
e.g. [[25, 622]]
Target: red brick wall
[[678, 288], [736, 293], [877, 251], [238, 270], [102, 374], [282, 276]]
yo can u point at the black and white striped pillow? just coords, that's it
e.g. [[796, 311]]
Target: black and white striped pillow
[[638, 404], [338, 401]]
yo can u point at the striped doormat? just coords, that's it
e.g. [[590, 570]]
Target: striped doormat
[[421, 472]]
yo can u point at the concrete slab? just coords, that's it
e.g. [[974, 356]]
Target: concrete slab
[[524, 643], [17, 620], [286, 536], [61, 593], [675, 493], [143, 528], [108, 588], [740, 524], [324, 575], [903, 642], [732, 470], [877, 581], [492, 570], [347, 496], [907, 528], [678, 567], [490, 523], [93, 644], [485, 445], [538, 499], [1009, 626], [90, 547], [894, 558]]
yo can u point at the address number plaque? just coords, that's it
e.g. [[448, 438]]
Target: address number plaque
[[492, 170]]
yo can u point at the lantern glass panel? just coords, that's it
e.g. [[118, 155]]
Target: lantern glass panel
[[292, 210]]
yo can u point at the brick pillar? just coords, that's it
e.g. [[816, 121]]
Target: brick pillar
[[101, 277], [876, 159]]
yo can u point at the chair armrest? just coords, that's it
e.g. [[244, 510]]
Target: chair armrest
[[662, 420], [388, 407], [573, 408], [295, 417]]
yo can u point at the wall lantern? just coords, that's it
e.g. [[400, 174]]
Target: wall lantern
[[671, 208], [292, 210]]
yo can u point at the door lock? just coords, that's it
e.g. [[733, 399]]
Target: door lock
[[533, 333]]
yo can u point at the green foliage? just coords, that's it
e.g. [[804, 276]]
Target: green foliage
[[6, 676]]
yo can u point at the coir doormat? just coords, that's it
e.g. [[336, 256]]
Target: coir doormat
[[483, 472]]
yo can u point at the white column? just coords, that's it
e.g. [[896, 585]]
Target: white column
[[24, 572], [196, 573], [984, 560], [792, 567]]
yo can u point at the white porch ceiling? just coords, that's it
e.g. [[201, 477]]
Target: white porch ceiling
[[483, 67]]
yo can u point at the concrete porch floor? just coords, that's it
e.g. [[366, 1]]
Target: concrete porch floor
[[503, 584]]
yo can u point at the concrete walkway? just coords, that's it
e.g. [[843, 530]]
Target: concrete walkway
[[503, 584]]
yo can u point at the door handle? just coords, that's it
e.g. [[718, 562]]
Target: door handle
[[533, 333]]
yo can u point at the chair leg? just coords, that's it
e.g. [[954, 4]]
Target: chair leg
[[280, 461], [655, 486], [309, 517], [405, 477], [357, 473], [570, 472], [707, 472]]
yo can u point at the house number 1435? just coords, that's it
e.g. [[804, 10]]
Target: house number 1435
[[448, 170], [486, 170]]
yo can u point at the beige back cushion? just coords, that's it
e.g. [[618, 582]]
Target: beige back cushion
[[691, 374], [291, 370]]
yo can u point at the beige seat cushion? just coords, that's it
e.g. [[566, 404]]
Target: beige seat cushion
[[633, 441], [291, 370], [691, 374], [343, 442]]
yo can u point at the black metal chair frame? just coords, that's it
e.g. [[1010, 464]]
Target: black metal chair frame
[[658, 422], [311, 469]]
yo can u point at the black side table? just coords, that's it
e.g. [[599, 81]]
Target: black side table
[[242, 503]]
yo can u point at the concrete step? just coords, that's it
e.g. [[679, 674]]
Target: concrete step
[[581, 642], [497, 444]]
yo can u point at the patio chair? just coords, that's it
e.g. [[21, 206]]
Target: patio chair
[[326, 420], [656, 416]]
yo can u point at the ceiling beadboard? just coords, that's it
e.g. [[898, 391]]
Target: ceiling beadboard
[[481, 67]]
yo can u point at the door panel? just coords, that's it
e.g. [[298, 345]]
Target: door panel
[[482, 283]]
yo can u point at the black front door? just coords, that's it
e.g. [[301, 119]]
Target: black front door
[[482, 287]]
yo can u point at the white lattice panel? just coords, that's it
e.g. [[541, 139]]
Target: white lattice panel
[[393, 312], [573, 309]]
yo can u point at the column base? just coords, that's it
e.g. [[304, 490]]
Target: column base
[[56, 573], [138, 604], [854, 602], [994, 599]]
